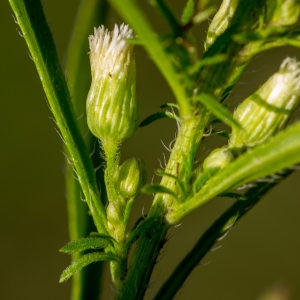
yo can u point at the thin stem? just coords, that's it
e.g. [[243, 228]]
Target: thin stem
[[150, 242], [112, 158], [216, 231], [31, 19]]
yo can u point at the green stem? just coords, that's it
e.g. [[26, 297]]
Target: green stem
[[147, 249], [216, 231], [112, 158], [85, 284], [277, 153], [181, 160], [152, 238], [31, 19]]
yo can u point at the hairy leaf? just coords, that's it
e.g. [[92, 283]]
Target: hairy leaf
[[83, 261], [157, 188], [157, 116], [87, 244]]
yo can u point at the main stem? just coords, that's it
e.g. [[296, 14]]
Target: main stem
[[152, 237]]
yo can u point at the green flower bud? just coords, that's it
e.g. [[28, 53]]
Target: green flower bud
[[115, 215], [267, 110], [111, 103], [221, 21], [217, 160], [283, 12], [131, 177]]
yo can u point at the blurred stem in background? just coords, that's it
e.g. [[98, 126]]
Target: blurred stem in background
[[85, 284]]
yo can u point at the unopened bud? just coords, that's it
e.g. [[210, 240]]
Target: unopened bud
[[267, 110], [131, 177], [283, 12], [221, 21], [111, 102], [217, 160], [115, 211]]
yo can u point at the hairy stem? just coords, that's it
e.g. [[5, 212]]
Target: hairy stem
[[152, 238]]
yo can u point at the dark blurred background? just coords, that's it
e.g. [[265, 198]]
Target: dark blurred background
[[260, 254]]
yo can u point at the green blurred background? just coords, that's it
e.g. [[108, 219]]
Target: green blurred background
[[260, 253]]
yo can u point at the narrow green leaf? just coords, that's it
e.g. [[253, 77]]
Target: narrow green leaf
[[83, 261], [207, 61], [188, 12], [87, 244], [157, 188], [277, 153], [157, 116], [218, 229], [218, 110], [169, 105], [32, 21]]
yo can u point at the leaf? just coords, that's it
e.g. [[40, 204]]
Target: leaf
[[218, 110], [169, 105], [84, 261], [277, 153], [207, 61], [31, 19], [157, 116], [157, 188], [188, 12], [87, 244]]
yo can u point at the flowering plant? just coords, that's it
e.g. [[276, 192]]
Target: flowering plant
[[260, 150]]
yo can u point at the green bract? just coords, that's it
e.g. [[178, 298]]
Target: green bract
[[269, 108], [130, 178], [111, 102]]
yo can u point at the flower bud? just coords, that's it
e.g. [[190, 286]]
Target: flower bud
[[131, 177], [220, 21], [217, 160], [283, 12], [266, 111], [115, 215], [111, 103]]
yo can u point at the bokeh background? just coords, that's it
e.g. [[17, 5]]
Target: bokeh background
[[261, 253]]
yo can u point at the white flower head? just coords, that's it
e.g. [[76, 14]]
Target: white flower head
[[111, 102], [110, 51]]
